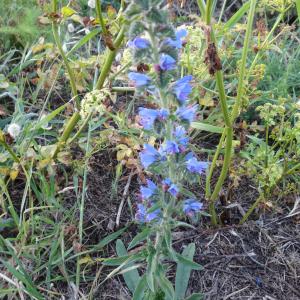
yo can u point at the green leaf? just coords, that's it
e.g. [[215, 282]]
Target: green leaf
[[84, 40], [183, 272], [256, 140], [166, 286], [67, 11], [131, 277], [49, 117], [151, 268], [237, 16], [195, 296], [116, 261], [298, 8], [189, 263], [24, 278], [140, 289], [139, 237], [207, 127], [110, 238]]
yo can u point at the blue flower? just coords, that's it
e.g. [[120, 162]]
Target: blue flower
[[187, 113], [149, 190], [195, 166], [142, 215], [173, 190], [139, 79], [191, 206], [177, 43], [149, 116], [166, 182], [182, 88], [170, 147], [153, 215], [180, 136], [167, 62], [139, 43], [149, 156]]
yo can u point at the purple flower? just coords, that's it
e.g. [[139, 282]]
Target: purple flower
[[144, 217], [149, 116], [139, 79], [187, 113], [167, 62], [170, 147], [153, 215], [149, 156], [180, 136], [139, 43], [166, 183], [191, 206], [182, 88], [141, 213], [173, 190], [195, 166], [177, 43], [149, 190]]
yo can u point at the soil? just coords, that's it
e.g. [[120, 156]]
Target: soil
[[257, 260]]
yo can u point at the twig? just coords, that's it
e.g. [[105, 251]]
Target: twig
[[125, 193]]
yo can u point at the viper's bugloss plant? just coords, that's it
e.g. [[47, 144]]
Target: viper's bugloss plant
[[164, 199]]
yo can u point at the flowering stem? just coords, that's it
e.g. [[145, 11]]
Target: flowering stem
[[229, 121], [109, 59]]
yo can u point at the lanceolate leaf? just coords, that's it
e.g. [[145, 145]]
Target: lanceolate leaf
[[131, 277], [139, 237], [189, 263], [183, 272], [237, 16], [140, 289], [207, 127]]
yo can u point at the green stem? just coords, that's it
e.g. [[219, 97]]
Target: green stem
[[280, 17], [110, 58], [10, 151], [250, 210], [292, 170], [67, 132], [81, 208], [202, 8], [208, 11], [64, 57], [242, 72], [100, 16], [228, 131], [124, 89], [213, 165]]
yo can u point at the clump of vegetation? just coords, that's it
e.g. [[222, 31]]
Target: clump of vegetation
[[129, 144]]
